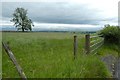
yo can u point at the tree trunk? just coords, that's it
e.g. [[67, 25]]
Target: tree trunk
[[22, 29]]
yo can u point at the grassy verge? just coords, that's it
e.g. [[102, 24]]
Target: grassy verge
[[50, 55], [109, 49], [0, 55]]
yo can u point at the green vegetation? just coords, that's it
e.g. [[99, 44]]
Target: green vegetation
[[21, 20], [0, 54], [109, 49], [111, 34], [50, 55]]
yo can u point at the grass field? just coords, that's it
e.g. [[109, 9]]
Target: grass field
[[0, 55], [50, 55]]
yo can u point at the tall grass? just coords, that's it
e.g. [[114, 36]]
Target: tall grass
[[109, 49], [0, 55], [50, 55]]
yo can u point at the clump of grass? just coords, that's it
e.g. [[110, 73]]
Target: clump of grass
[[109, 49]]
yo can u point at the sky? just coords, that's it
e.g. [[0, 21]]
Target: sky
[[63, 13]]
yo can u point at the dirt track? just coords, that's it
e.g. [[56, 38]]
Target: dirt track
[[117, 69], [113, 65]]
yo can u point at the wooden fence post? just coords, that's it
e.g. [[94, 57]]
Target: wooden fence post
[[87, 43], [12, 57], [75, 46]]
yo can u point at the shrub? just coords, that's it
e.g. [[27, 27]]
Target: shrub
[[111, 34]]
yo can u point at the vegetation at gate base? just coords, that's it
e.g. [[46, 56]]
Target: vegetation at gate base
[[111, 34], [50, 55], [21, 20]]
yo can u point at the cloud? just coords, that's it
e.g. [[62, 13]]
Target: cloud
[[68, 12]]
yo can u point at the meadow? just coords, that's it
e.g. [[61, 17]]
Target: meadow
[[50, 55], [0, 55]]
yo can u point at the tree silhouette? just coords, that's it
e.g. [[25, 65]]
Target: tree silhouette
[[21, 20]]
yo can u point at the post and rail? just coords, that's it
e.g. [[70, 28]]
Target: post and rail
[[95, 43]]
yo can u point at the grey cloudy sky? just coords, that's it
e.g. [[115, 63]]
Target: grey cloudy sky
[[82, 12]]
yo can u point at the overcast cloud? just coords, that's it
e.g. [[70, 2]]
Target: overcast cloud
[[89, 12]]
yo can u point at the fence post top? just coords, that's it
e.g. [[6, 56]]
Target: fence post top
[[75, 35], [87, 34]]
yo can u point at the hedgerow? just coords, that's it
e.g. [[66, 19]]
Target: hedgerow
[[111, 34]]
